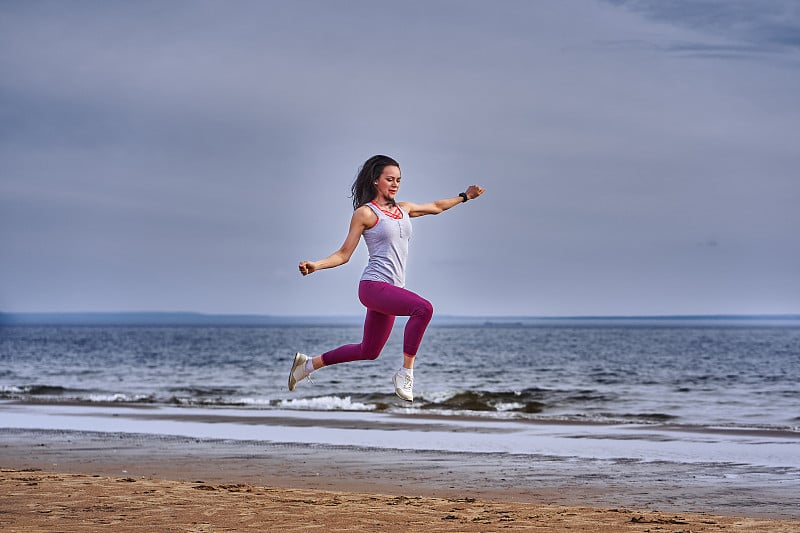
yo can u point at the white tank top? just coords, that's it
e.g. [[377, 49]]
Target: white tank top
[[387, 243]]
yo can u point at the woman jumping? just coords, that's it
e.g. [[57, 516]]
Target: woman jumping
[[386, 227]]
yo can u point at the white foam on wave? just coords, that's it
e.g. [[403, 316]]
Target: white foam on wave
[[510, 406], [439, 396], [325, 403], [117, 397], [256, 402]]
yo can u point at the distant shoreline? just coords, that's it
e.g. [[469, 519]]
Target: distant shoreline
[[244, 320]]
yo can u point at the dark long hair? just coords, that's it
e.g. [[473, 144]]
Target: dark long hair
[[363, 188]]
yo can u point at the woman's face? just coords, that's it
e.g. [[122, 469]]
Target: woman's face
[[388, 183]]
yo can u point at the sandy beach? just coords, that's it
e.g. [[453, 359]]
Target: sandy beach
[[54, 501], [75, 480]]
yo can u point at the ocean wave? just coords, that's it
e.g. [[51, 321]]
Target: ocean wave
[[10, 392], [221, 401], [57, 394], [485, 401], [581, 406], [34, 390], [120, 398], [325, 403]]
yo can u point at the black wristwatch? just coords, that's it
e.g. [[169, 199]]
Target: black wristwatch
[[463, 196]]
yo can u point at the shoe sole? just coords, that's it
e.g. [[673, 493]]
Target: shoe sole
[[298, 360]]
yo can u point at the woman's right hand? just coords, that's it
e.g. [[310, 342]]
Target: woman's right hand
[[307, 267], [363, 219]]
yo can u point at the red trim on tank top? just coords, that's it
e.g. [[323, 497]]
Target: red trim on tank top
[[396, 216]]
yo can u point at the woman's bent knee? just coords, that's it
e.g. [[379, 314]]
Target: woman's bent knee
[[424, 309]]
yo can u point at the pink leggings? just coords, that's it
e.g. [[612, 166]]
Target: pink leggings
[[384, 302]]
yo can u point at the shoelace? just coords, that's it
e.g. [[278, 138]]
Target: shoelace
[[409, 381], [308, 377]]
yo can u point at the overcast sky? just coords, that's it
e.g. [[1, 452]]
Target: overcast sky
[[640, 157]]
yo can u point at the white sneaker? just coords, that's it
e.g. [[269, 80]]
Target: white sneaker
[[403, 385], [298, 372]]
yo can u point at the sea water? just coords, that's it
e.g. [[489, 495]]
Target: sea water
[[689, 373]]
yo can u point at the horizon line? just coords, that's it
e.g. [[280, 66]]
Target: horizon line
[[25, 316]]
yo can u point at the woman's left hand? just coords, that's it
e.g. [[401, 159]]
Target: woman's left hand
[[473, 191]]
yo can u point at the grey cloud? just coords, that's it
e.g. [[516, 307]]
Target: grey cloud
[[771, 26]]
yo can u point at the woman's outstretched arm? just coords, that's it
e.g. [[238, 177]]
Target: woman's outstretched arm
[[434, 208]]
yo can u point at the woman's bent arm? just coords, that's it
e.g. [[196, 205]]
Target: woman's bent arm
[[363, 218]]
